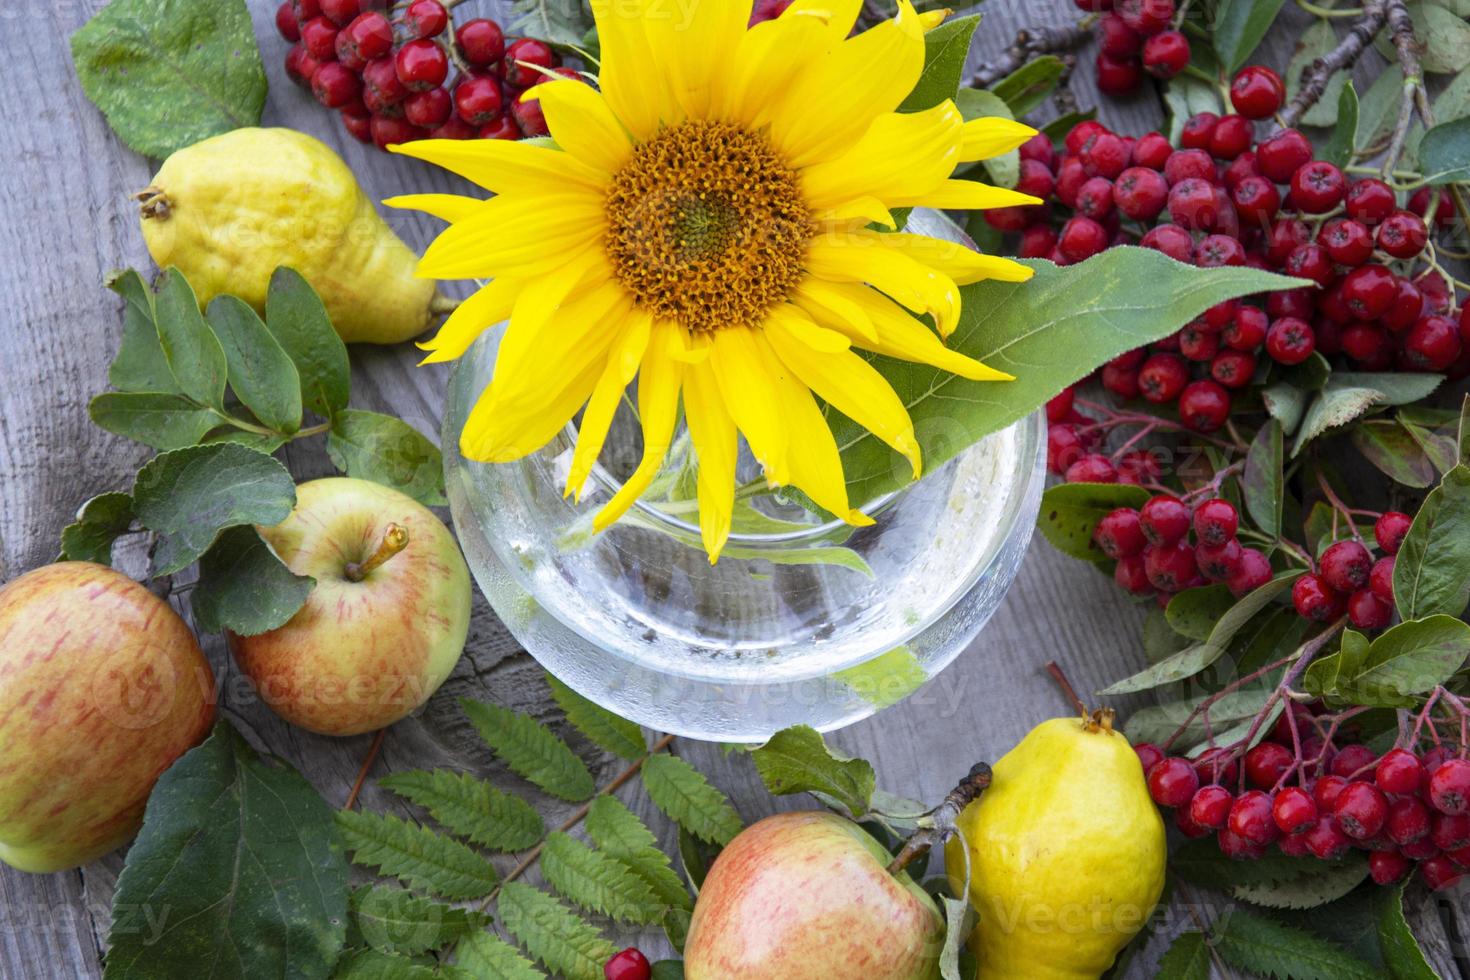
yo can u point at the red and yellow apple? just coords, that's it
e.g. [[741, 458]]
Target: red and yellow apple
[[386, 621], [102, 687], [808, 896]]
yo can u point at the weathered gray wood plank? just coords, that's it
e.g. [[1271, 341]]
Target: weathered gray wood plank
[[66, 221]]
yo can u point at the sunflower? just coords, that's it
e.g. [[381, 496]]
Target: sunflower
[[705, 223]]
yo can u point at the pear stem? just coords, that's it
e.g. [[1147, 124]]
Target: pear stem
[[395, 539], [1066, 686], [942, 821]]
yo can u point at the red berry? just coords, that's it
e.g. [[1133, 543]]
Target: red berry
[[1198, 344], [1210, 806], [1186, 163], [1347, 241], [1266, 763], [1216, 521], [1164, 520], [1318, 187], [1120, 533], [1233, 368], [335, 85], [1449, 787], [1247, 330], [429, 109], [1117, 39], [426, 18], [1059, 407], [1257, 92], [1149, 755], [1408, 819], [1352, 762], [1283, 238], [1170, 567], [1170, 239], [1391, 529], [1325, 790], [1252, 571], [525, 59], [1095, 198], [1399, 771], [1037, 242], [1420, 204], [1345, 566], [368, 37], [358, 122], [1294, 810], [1316, 600], [1217, 562], [1432, 344], [1092, 468], [1380, 580], [1370, 200], [300, 65], [481, 41], [305, 10], [1166, 54], [1163, 377], [1312, 262], [1204, 405], [1387, 867], [1184, 820], [1237, 848], [478, 100], [1368, 344], [1040, 149], [1369, 290], [530, 117], [1251, 818], [1440, 873], [320, 37], [1214, 251], [502, 127], [1192, 204], [1063, 447], [1367, 612], [339, 12], [1147, 17], [286, 23], [1132, 576], [1036, 179], [1082, 238], [1197, 130], [1104, 155], [1290, 340], [1326, 840], [1172, 782], [630, 964], [1294, 845], [380, 78], [1360, 810], [1232, 137], [388, 132], [1151, 151], [1243, 166], [1403, 235], [1140, 193], [1449, 831], [422, 65], [1256, 200]]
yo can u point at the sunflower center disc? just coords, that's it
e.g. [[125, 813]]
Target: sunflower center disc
[[707, 227]]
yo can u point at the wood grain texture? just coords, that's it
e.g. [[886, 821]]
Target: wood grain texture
[[65, 221]]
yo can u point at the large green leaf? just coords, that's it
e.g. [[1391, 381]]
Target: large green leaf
[[1049, 332], [1239, 27], [1028, 86], [387, 450], [1187, 958], [1388, 445], [1401, 952], [158, 419], [945, 49], [243, 587], [1432, 571], [260, 372], [394, 920], [1412, 658], [238, 870], [798, 760], [618, 832], [1444, 153], [1264, 946], [168, 73], [294, 314]]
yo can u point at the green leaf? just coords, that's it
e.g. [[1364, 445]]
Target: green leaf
[[945, 49], [241, 853], [1339, 146], [139, 364], [470, 807], [1379, 107], [1315, 42], [192, 351], [1188, 956], [1443, 36], [955, 933], [621, 737], [1239, 27], [552, 934], [1411, 658], [1157, 722], [387, 450], [1401, 952], [532, 750], [100, 522], [189, 495], [1194, 612], [243, 587], [798, 760], [371, 964], [417, 855], [1322, 676], [619, 833], [162, 421], [1462, 440], [687, 798], [1334, 406], [887, 678], [1256, 943], [169, 73], [597, 882], [556, 23], [1070, 512], [1028, 86], [1444, 153], [1431, 573], [294, 314], [668, 970], [1330, 882], [1094, 311], [974, 103], [489, 957], [261, 374], [396, 921], [1286, 403], [695, 857], [1390, 447], [1200, 862], [261, 442], [1262, 483], [1187, 95], [1397, 389]]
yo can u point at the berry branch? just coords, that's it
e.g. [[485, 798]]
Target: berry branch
[[1341, 58], [1031, 42]]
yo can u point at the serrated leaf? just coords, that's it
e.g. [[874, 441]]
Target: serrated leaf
[[687, 798], [1332, 882], [1070, 512], [244, 587], [1201, 863], [1315, 42], [470, 807], [621, 737], [1401, 952], [1157, 722], [488, 957], [372, 964], [945, 50], [242, 854], [1256, 943], [100, 521], [799, 760], [551, 933], [1239, 27], [157, 419], [295, 316], [618, 832], [597, 882], [1431, 572], [397, 921], [1332, 407], [566, 22], [387, 450], [260, 372], [1187, 958], [169, 73], [531, 749], [1028, 86], [418, 855], [189, 495], [139, 364]]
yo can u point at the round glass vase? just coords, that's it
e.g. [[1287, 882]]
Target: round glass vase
[[802, 620]]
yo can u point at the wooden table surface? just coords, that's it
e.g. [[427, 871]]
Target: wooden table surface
[[66, 221]]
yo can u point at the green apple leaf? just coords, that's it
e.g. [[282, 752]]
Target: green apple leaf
[[1188, 957], [1262, 484], [621, 737], [243, 587], [261, 374], [1431, 573], [560, 939], [139, 364], [294, 314], [243, 855], [417, 855], [169, 73], [157, 419], [799, 760], [393, 920], [189, 495], [487, 956], [597, 882], [100, 522], [1070, 513], [1264, 946], [1239, 27], [532, 750], [387, 450], [688, 799], [945, 50], [470, 807], [619, 833], [193, 352]]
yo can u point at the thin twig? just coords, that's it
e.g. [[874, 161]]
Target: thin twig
[[1030, 42], [367, 763], [942, 822], [1316, 75]]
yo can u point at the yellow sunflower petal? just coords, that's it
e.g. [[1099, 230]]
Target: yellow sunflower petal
[[963, 265], [964, 195], [852, 386], [990, 136], [634, 89], [902, 153], [931, 19], [816, 465], [899, 335], [838, 16], [484, 308], [857, 212], [445, 207], [792, 321], [532, 348], [712, 431], [693, 42], [765, 60], [858, 257], [827, 303], [749, 375], [506, 166], [582, 124], [658, 409], [622, 365], [543, 295], [519, 235], [489, 437], [836, 96]]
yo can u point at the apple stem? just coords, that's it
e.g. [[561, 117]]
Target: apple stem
[[941, 823], [395, 539]]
